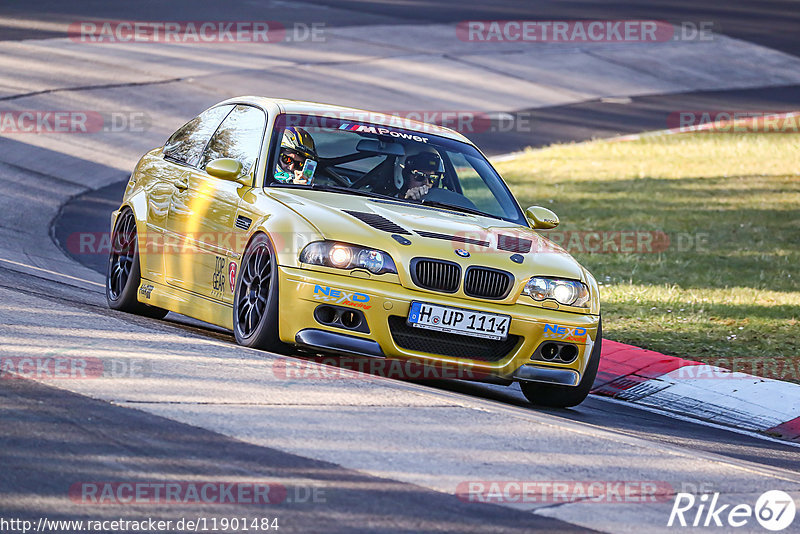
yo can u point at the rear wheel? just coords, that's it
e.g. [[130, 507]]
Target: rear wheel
[[255, 304], [123, 275], [565, 396]]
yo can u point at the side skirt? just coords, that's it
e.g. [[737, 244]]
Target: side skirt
[[186, 303]]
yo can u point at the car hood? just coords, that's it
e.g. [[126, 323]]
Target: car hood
[[433, 233]]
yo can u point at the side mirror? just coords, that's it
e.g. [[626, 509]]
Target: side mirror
[[541, 218], [225, 169]]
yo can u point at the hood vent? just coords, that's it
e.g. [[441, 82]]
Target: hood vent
[[378, 222], [512, 243], [458, 238]]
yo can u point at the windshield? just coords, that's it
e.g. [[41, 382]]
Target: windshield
[[383, 161]]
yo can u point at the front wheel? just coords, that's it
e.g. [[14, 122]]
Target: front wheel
[[123, 275], [565, 396], [255, 302]]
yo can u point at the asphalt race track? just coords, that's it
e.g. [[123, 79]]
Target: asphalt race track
[[180, 402]]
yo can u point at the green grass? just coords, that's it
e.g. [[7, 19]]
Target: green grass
[[726, 290]]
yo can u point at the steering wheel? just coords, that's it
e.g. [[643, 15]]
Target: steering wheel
[[439, 194]]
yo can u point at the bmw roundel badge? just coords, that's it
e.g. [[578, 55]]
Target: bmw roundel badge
[[463, 253]]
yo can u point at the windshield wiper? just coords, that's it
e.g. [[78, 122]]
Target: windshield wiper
[[464, 209], [362, 193], [347, 190], [333, 189]]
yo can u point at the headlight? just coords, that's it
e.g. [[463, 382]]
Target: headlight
[[344, 256], [567, 292], [340, 256]]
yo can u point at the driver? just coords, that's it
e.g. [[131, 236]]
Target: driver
[[297, 146], [420, 173]]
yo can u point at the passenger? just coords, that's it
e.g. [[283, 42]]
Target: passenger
[[420, 173]]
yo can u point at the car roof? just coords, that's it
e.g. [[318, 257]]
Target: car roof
[[301, 107]]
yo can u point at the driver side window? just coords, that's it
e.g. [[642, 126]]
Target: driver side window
[[187, 143], [238, 137]]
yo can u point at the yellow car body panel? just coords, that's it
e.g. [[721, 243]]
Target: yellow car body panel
[[191, 242], [386, 299]]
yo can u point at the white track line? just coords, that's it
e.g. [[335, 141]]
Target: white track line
[[697, 421], [54, 273]]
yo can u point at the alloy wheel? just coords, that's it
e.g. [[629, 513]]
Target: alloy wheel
[[254, 289], [123, 249]]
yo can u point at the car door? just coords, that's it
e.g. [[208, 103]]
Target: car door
[[204, 211], [168, 173]]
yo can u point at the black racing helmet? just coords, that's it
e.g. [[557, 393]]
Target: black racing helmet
[[425, 166]]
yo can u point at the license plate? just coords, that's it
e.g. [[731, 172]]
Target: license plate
[[458, 321]]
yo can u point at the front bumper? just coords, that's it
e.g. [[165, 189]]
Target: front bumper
[[302, 291]]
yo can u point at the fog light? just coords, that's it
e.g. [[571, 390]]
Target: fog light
[[568, 353], [549, 351]]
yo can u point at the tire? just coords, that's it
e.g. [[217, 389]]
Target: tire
[[565, 396], [255, 302], [123, 273]]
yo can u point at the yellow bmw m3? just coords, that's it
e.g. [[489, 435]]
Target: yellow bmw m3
[[340, 231]]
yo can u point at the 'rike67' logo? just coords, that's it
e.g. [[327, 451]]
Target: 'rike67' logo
[[565, 333]]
